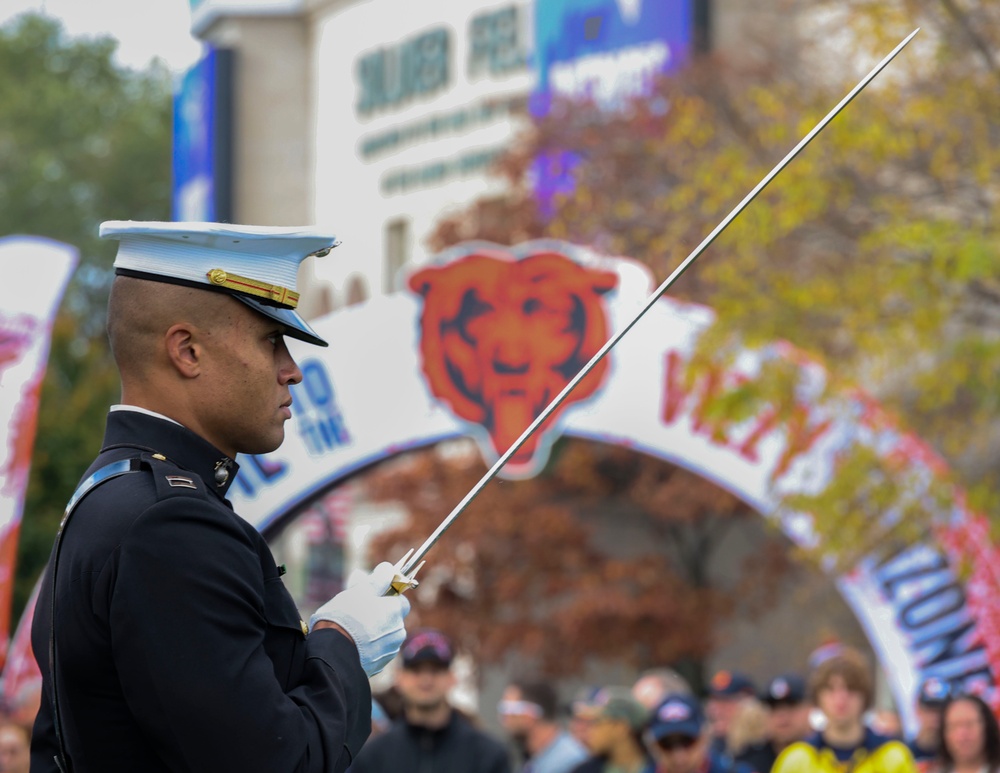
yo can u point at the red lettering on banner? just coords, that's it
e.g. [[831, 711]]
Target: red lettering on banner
[[675, 398], [766, 424], [801, 434], [673, 393], [801, 437], [709, 391]]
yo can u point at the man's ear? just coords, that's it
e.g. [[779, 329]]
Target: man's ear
[[183, 351]]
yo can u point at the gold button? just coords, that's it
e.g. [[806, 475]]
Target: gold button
[[217, 276], [305, 628], [161, 457]]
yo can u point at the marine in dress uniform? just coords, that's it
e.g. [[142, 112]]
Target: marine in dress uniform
[[173, 644]]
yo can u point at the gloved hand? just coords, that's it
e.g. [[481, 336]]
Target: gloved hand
[[373, 620]]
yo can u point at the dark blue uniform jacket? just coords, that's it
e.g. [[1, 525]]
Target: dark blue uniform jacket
[[178, 646]]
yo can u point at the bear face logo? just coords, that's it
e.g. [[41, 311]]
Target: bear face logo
[[501, 336]]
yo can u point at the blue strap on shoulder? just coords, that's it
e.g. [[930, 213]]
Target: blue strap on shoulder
[[105, 473]]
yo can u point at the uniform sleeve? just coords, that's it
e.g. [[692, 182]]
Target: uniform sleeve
[[188, 625]]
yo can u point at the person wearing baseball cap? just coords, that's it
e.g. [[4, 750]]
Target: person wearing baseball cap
[[655, 684], [679, 738], [727, 691], [784, 699], [432, 734], [614, 722], [166, 638]]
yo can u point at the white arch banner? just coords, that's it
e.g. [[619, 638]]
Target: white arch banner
[[478, 342]]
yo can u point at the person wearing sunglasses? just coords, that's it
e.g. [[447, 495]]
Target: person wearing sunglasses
[[680, 741]]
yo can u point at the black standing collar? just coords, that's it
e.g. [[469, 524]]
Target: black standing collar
[[179, 444]]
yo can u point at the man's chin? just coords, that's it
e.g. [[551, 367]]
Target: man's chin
[[265, 445]]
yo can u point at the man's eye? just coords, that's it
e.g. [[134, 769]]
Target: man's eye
[[274, 338]]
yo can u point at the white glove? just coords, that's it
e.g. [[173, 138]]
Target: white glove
[[373, 620]]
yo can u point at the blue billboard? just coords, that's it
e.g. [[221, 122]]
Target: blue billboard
[[608, 50], [605, 52], [202, 158]]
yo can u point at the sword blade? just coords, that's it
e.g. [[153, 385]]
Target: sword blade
[[414, 558]]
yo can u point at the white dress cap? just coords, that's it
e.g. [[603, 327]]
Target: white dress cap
[[256, 264]]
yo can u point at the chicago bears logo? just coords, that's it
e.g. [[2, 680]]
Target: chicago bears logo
[[502, 336]]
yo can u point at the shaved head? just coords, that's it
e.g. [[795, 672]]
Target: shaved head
[[205, 360], [140, 311]]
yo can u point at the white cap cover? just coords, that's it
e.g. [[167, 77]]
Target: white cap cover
[[256, 264]]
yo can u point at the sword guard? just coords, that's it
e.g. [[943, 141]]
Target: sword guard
[[403, 582]]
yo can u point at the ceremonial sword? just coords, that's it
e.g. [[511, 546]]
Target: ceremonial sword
[[408, 566]]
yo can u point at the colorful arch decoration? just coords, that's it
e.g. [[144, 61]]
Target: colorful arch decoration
[[472, 342], [476, 341]]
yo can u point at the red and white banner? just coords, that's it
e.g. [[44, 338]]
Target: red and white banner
[[34, 273]]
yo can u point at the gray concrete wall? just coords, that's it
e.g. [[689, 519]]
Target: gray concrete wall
[[273, 179]]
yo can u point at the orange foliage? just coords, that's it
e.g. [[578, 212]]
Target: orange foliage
[[605, 555]]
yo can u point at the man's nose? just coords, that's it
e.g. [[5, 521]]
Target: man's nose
[[288, 372]]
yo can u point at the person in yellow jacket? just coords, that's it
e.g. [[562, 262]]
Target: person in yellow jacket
[[841, 687]]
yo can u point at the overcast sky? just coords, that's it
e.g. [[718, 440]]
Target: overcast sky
[[144, 28]]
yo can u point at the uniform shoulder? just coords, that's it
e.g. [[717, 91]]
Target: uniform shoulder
[[172, 480], [135, 482], [179, 510]]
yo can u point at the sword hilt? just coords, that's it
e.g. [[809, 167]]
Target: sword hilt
[[401, 581]]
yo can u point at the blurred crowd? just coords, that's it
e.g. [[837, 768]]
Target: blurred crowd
[[823, 720]]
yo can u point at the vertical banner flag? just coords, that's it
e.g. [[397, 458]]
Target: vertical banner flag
[[36, 271]]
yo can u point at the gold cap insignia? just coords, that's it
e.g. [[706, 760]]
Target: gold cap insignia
[[276, 293]]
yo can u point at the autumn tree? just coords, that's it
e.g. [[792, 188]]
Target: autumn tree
[[82, 140], [875, 251], [607, 549]]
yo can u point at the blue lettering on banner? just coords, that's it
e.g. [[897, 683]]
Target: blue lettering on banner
[[930, 609], [318, 420], [257, 471]]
